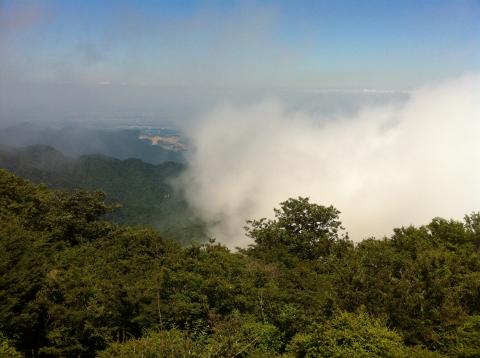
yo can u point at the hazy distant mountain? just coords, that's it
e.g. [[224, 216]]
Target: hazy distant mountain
[[143, 189], [75, 141]]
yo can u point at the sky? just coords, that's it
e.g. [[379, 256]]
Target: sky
[[298, 44]]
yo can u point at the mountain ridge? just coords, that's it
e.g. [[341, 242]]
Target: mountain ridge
[[145, 191], [75, 141]]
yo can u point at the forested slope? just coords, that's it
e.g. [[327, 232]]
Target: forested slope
[[73, 284], [144, 191]]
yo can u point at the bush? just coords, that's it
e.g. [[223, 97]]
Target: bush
[[352, 335]]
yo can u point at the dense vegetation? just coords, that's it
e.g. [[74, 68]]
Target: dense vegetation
[[73, 284], [144, 190]]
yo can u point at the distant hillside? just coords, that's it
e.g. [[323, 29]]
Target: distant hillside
[[143, 189], [75, 141]]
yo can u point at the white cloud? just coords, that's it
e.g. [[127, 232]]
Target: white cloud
[[384, 167]]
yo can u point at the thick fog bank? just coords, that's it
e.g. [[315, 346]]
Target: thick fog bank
[[385, 166]]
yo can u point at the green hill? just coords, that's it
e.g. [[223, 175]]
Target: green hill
[[144, 190]]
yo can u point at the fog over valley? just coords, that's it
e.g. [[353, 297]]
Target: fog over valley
[[384, 166]]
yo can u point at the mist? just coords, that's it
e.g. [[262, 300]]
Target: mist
[[383, 166]]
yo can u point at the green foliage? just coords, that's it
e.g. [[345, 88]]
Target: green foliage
[[37, 224], [6, 349], [237, 336], [167, 344], [24, 261], [301, 229], [350, 335], [74, 284], [146, 192], [468, 339]]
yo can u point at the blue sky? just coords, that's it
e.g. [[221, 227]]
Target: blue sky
[[239, 44]]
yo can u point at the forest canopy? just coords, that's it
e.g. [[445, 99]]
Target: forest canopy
[[74, 284]]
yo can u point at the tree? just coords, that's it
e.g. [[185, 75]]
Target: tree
[[300, 228]]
